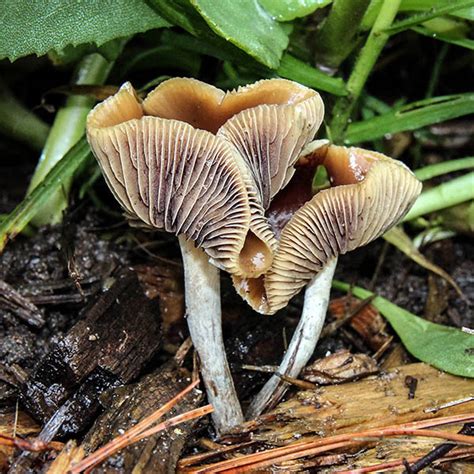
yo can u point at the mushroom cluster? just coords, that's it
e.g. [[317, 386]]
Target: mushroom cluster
[[231, 174]]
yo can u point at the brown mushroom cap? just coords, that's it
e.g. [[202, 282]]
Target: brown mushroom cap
[[373, 193], [173, 177]]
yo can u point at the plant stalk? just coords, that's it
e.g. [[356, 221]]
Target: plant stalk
[[302, 343], [68, 127], [445, 195], [438, 169], [203, 309], [20, 217], [364, 64], [336, 39], [17, 122]]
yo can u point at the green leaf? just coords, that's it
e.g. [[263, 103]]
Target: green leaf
[[247, 25], [286, 10], [62, 171], [37, 27], [411, 117], [182, 14], [444, 347], [296, 70]]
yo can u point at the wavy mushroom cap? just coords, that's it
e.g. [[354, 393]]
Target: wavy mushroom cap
[[370, 194], [270, 122], [171, 176]]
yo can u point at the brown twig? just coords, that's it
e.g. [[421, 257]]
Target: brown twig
[[133, 434], [457, 453], [438, 452]]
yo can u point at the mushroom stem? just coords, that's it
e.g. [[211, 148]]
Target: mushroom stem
[[303, 342], [203, 309]]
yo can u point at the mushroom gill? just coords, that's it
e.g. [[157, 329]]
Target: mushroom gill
[[170, 176], [370, 193]]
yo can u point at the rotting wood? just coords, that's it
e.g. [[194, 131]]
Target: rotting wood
[[351, 408], [130, 404], [376, 401], [109, 346]]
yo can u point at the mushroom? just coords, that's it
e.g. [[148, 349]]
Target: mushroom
[[369, 193], [198, 162]]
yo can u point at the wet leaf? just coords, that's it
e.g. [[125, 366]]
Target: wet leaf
[[36, 27], [286, 10], [248, 26], [444, 347]]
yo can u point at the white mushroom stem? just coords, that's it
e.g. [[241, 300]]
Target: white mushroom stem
[[203, 309], [303, 342]]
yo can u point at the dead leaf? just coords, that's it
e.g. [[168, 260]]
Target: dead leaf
[[340, 367]]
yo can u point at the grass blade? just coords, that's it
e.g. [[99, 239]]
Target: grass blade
[[28, 208], [431, 171], [418, 18], [445, 195], [296, 70], [411, 117]]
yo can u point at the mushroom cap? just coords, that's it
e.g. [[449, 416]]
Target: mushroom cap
[[270, 122], [257, 131], [170, 176], [371, 194]]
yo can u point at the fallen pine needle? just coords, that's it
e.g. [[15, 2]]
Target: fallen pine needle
[[189, 415], [33, 445], [456, 453], [316, 446], [141, 430]]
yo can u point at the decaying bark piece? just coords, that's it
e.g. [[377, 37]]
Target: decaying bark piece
[[344, 408], [109, 346], [129, 405]]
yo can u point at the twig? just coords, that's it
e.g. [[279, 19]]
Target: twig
[[457, 453], [331, 328], [196, 458], [438, 452], [449, 404]]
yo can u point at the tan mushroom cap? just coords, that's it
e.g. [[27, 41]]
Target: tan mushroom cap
[[170, 176], [372, 194], [270, 122]]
